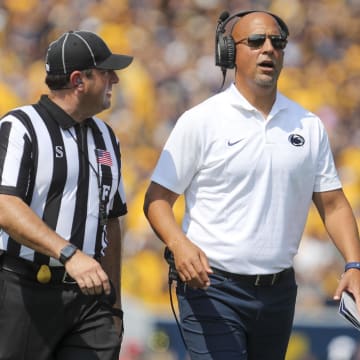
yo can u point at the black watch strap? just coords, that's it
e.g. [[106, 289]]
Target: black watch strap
[[67, 252]]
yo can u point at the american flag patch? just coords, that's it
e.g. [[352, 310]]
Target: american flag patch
[[103, 157]]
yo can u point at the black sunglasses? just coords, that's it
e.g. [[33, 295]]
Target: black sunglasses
[[256, 41]]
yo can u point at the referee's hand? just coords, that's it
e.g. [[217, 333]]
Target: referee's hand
[[88, 274]]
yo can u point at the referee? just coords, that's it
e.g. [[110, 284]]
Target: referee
[[61, 199]]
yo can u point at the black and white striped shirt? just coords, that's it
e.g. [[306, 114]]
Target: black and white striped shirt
[[56, 166]]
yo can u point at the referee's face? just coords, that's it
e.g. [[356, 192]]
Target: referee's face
[[99, 90]]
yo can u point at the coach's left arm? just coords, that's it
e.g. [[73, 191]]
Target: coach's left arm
[[340, 223]]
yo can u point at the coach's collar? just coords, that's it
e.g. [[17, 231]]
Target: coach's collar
[[239, 101]]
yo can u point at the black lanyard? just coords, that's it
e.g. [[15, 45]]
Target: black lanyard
[[82, 145]]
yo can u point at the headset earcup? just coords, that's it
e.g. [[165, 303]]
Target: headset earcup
[[230, 52], [219, 51], [225, 52]]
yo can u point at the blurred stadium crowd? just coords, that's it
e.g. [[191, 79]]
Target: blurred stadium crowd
[[173, 45]]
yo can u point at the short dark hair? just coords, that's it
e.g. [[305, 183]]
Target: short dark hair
[[61, 81], [57, 81]]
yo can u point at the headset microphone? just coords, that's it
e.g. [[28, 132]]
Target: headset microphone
[[223, 16]]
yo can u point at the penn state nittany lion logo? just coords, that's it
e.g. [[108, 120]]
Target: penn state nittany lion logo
[[296, 140]]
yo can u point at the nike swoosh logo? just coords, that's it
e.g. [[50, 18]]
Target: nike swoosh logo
[[232, 143]]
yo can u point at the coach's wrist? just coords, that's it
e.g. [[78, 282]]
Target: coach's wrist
[[352, 265]]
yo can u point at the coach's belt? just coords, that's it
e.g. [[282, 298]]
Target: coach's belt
[[43, 274], [256, 280]]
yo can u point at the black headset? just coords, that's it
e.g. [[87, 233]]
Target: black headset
[[225, 44]]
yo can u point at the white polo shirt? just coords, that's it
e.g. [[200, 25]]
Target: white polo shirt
[[248, 182]]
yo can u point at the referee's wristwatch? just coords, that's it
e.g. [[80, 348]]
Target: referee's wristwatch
[[352, 265], [67, 252]]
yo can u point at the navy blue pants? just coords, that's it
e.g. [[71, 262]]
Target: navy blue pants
[[234, 319]]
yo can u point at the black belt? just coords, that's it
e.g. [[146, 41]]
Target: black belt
[[255, 280], [43, 274]]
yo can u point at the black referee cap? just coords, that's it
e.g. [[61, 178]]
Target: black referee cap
[[80, 50]]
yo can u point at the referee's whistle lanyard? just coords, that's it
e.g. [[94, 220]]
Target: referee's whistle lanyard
[[82, 145]]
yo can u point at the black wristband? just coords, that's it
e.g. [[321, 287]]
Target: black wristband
[[352, 265]]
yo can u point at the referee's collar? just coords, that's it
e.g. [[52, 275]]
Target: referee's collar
[[64, 120]]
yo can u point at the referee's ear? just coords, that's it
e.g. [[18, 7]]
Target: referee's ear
[[76, 80]]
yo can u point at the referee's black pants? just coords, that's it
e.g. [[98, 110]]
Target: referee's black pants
[[54, 322]]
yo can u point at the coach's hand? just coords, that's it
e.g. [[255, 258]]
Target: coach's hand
[[191, 264], [350, 282]]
